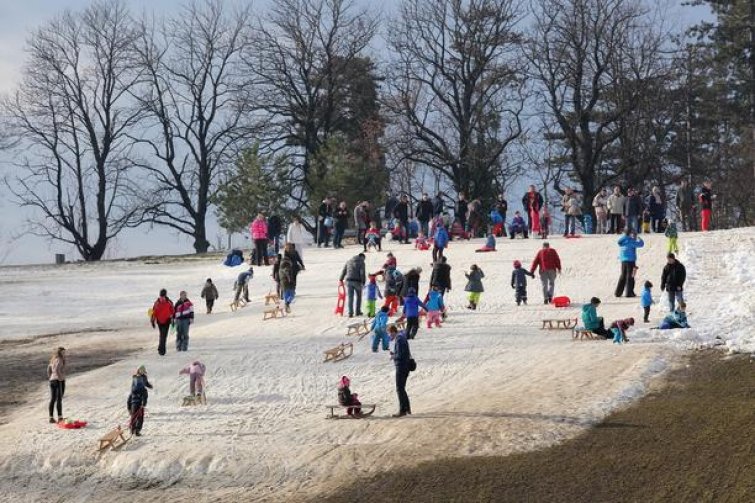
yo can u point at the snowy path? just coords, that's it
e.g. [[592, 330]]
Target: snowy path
[[488, 382]]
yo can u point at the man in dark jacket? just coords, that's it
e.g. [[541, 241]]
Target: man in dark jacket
[[633, 210], [685, 202], [401, 213], [424, 213], [441, 276], [672, 280], [532, 201], [390, 205], [325, 212], [355, 275], [401, 356], [462, 208], [411, 281], [274, 228], [438, 204]]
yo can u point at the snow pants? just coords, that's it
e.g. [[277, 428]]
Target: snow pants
[[371, 307], [673, 247], [433, 317], [380, 336], [521, 294]]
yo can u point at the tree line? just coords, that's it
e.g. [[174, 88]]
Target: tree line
[[122, 120]]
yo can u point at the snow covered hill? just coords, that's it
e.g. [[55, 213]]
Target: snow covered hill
[[488, 382]]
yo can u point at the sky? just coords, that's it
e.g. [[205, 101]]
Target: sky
[[17, 19]]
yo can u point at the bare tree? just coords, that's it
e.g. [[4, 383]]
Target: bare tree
[[298, 56], [70, 115], [593, 59], [198, 114], [457, 88]]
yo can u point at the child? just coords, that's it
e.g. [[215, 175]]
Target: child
[[209, 294], [440, 241], [346, 397], [372, 238], [489, 245], [195, 370], [672, 235], [619, 329], [379, 329], [435, 308], [519, 282], [393, 284], [545, 222], [474, 286], [137, 400], [421, 243], [677, 319], [646, 300], [373, 292], [518, 226], [412, 304], [646, 221], [390, 262], [497, 220]]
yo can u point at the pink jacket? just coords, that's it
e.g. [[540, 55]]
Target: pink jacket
[[258, 228], [196, 367]]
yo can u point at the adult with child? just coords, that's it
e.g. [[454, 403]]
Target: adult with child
[[424, 213], [599, 204], [355, 275], [183, 318], [672, 280], [258, 230], [532, 202], [615, 205], [341, 219], [325, 222], [685, 203], [549, 264], [297, 235], [56, 376], [628, 244], [591, 321], [402, 359], [161, 318]]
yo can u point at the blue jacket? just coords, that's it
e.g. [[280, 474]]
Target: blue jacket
[[490, 243], [646, 299], [372, 291], [435, 303], [590, 317], [401, 354], [441, 237], [412, 305], [518, 223], [380, 323], [628, 250]]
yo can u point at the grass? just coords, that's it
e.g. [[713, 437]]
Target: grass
[[693, 440]]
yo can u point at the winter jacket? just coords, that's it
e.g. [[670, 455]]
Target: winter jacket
[[373, 292], [600, 202], [424, 211], [258, 229], [474, 281], [441, 237], [590, 318], [325, 210], [296, 234], [677, 319], [437, 205], [656, 208], [573, 207], [341, 216], [354, 271], [139, 393], [394, 280], [646, 298], [380, 322], [435, 302], [412, 305], [162, 311], [462, 208], [628, 248], [210, 292], [633, 207], [671, 231], [518, 224], [56, 369], [184, 310], [360, 217], [685, 197], [547, 259], [495, 217], [411, 280], [244, 277], [622, 325], [401, 211], [706, 199], [287, 271], [673, 277], [195, 368], [401, 353], [616, 204], [519, 277], [532, 201], [441, 276], [274, 227]]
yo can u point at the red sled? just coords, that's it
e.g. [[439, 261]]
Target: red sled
[[72, 426], [341, 302], [561, 302]]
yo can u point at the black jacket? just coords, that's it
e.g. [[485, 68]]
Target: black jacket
[[424, 211], [274, 227], [437, 205], [706, 199], [634, 206], [538, 199], [341, 216], [462, 207], [673, 276], [325, 210], [441, 276], [411, 280], [401, 211]]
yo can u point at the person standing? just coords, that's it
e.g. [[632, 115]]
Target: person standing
[[424, 213], [474, 286], [274, 229], [440, 241], [474, 219], [210, 294], [532, 201], [355, 275], [341, 217], [258, 229], [297, 235], [325, 222], [56, 375], [573, 210], [402, 359], [628, 244], [549, 263], [162, 316], [706, 205], [184, 317], [360, 222], [137, 400], [615, 205], [672, 280], [633, 210], [685, 202], [401, 213], [438, 204], [462, 210], [599, 203], [440, 277], [657, 208]]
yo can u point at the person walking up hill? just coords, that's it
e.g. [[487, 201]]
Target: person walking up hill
[[549, 263]]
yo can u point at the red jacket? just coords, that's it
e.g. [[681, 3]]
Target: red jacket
[[162, 310], [547, 259]]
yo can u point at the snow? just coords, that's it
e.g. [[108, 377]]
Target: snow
[[488, 382]]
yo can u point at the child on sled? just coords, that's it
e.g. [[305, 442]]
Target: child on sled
[[346, 397], [195, 370]]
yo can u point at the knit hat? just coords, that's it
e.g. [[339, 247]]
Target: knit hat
[[344, 382]]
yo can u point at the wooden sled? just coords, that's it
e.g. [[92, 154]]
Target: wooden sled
[[276, 312], [360, 328], [338, 353], [237, 304], [559, 324], [400, 324], [114, 439], [194, 400], [272, 298], [361, 415], [582, 333]]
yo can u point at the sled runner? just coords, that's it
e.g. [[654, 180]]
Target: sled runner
[[361, 329], [338, 353], [562, 324], [194, 400], [582, 333], [361, 415], [114, 439], [276, 312], [237, 304], [273, 298]]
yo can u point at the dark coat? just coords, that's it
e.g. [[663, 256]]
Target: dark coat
[[441, 276], [474, 281], [341, 216], [462, 208], [437, 205], [401, 211], [274, 227], [411, 280], [634, 206], [424, 211], [531, 202], [673, 276]]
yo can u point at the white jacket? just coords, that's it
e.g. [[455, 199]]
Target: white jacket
[[599, 202], [616, 204], [296, 234]]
